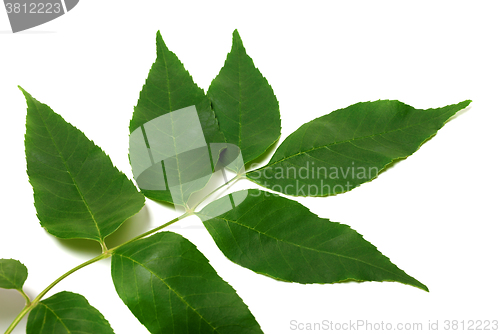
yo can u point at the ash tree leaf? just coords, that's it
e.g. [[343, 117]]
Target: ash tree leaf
[[169, 87], [280, 238], [66, 313], [171, 288], [78, 192], [339, 151], [13, 274], [245, 104]]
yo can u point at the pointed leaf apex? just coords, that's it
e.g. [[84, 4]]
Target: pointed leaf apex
[[237, 39], [25, 93], [465, 103], [240, 92], [160, 41]]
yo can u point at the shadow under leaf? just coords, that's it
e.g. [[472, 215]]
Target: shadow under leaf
[[264, 156], [11, 303], [131, 228], [81, 246]]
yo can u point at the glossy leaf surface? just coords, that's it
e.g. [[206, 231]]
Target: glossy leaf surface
[[78, 192], [66, 313], [13, 274], [245, 104], [169, 87], [171, 288], [280, 238], [339, 151]]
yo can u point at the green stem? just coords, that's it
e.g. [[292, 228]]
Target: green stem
[[35, 302], [187, 214], [31, 305], [47, 289], [21, 315], [105, 254]]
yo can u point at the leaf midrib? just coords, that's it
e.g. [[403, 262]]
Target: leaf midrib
[[70, 175], [349, 140], [171, 289], [173, 134], [240, 116], [308, 248]]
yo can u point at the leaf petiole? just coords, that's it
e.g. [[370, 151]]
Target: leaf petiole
[[28, 300]]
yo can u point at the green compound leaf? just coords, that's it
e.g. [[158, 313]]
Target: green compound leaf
[[13, 274], [66, 313], [280, 238], [169, 87], [245, 104], [171, 288], [78, 192], [339, 151]]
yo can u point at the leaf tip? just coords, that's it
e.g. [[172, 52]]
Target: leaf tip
[[26, 94], [160, 41], [236, 38], [466, 103], [422, 287], [417, 284]]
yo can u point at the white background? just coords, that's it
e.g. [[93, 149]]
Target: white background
[[434, 214]]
